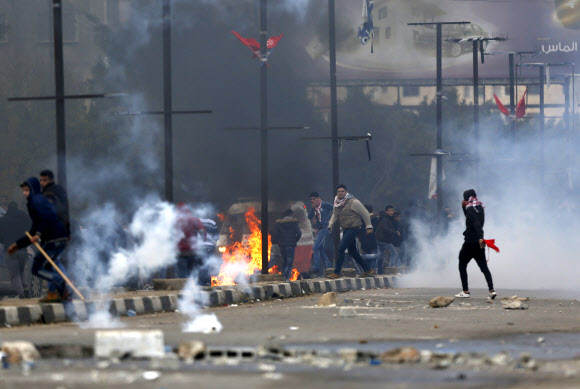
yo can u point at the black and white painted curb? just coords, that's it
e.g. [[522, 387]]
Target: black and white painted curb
[[217, 296]]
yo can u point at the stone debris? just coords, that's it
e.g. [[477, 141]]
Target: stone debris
[[441, 302], [129, 343], [19, 352], [347, 312], [514, 302], [401, 355], [328, 299], [191, 350]]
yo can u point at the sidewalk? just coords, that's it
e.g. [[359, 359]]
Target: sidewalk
[[14, 312]]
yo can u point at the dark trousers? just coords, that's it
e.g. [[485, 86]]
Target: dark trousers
[[348, 242], [287, 260], [43, 269], [469, 251]]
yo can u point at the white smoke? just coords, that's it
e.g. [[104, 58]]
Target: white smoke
[[190, 305]]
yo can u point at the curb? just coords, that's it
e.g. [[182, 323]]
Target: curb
[[218, 296]]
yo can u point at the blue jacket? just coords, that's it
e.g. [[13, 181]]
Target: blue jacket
[[44, 220], [325, 215]]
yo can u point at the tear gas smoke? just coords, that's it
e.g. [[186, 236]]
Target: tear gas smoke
[[190, 305]]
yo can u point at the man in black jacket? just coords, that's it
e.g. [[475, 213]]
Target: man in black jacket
[[45, 226], [287, 233], [57, 197], [474, 246]]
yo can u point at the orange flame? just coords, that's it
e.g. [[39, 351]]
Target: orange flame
[[220, 216], [245, 258]]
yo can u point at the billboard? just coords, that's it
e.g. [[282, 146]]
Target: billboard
[[550, 28]]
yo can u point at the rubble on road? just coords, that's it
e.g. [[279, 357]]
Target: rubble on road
[[328, 299], [514, 302], [19, 352], [441, 302]]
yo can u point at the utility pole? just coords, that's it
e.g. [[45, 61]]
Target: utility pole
[[439, 26], [264, 132], [478, 47], [168, 111]]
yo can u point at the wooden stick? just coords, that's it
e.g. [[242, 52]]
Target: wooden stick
[[55, 267]]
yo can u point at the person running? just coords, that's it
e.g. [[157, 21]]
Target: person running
[[474, 245], [349, 213]]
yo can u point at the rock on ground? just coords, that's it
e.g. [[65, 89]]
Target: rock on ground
[[441, 302]]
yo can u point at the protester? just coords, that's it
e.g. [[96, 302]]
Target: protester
[[399, 241], [57, 196], [12, 225], [474, 245], [45, 226], [321, 212], [349, 214], [286, 234], [194, 233], [386, 235]]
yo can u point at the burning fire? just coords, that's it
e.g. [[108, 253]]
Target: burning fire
[[245, 258]]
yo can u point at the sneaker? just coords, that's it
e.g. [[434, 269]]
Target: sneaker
[[51, 297], [463, 295], [369, 273], [492, 295], [333, 276]]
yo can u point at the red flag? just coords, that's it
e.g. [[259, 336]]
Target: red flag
[[273, 41], [251, 43], [491, 244], [521, 108], [501, 107]]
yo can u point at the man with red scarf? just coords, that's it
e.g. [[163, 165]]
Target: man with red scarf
[[474, 245]]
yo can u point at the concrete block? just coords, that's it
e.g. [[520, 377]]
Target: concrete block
[[229, 296], [367, 283], [285, 290], [386, 281], [378, 282], [267, 278], [307, 286], [29, 314], [217, 298], [80, 310], [117, 307], [166, 304], [330, 285], [350, 283], [358, 283], [320, 287], [169, 284], [135, 304], [53, 313], [348, 272], [259, 292], [9, 315], [134, 343], [272, 290], [152, 304], [296, 289]]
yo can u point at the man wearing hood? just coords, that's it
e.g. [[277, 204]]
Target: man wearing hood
[[50, 232], [349, 213], [287, 234], [474, 245], [57, 197], [11, 226]]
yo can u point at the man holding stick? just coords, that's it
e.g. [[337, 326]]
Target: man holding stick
[[50, 233]]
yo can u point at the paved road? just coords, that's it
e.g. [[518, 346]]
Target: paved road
[[385, 319]]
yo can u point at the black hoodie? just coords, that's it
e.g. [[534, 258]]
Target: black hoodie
[[45, 223]]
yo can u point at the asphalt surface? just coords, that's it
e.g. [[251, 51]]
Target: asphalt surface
[[385, 318]]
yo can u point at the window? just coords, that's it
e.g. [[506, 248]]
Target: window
[[410, 91], [388, 32], [383, 13], [534, 89], [467, 91], [44, 25]]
